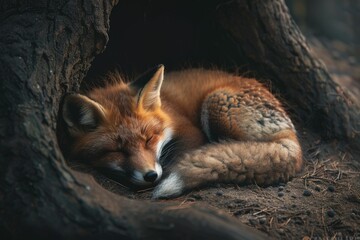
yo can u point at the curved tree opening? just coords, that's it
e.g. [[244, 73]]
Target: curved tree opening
[[48, 49]]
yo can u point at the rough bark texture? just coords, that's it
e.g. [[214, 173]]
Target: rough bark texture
[[46, 49], [276, 46]]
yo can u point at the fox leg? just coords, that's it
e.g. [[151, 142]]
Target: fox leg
[[256, 142]]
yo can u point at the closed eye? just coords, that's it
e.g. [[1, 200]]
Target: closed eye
[[116, 150], [148, 140]]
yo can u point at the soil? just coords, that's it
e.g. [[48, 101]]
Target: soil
[[322, 202]]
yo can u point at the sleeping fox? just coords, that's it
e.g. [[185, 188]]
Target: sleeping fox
[[205, 126]]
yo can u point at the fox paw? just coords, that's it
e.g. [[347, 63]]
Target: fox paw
[[172, 186]]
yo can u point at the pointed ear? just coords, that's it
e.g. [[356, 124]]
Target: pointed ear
[[81, 113], [143, 79], [148, 97]]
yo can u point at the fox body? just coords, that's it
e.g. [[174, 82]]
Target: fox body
[[203, 125]]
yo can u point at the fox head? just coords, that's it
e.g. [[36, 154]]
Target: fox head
[[120, 128]]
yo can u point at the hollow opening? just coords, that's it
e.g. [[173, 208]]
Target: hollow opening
[[178, 34]]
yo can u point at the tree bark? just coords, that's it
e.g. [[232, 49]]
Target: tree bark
[[46, 50], [275, 46]]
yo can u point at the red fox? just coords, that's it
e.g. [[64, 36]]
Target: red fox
[[206, 126]]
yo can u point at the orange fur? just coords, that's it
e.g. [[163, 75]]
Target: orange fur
[[224, 128]]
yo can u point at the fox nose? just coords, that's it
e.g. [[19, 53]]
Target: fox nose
[[150, 176]]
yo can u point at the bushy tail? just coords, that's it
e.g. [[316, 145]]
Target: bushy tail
[[263, 163]]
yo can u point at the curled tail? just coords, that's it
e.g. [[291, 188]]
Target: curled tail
[[263, 163], [263, 148]]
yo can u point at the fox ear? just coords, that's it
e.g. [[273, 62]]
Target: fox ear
[[81, 113], [149, 85], [140, 82]]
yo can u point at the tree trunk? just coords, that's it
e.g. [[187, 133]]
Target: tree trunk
[[46, 50], [277, 49]]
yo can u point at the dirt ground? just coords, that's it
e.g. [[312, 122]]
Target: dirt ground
[[322, 202]]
